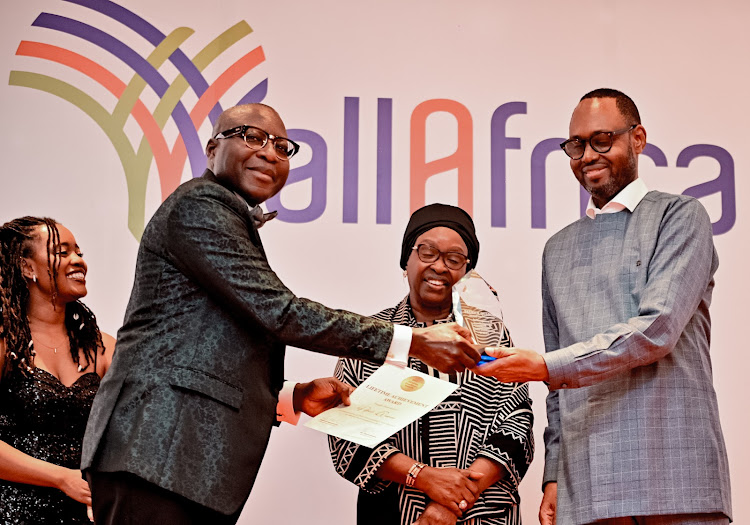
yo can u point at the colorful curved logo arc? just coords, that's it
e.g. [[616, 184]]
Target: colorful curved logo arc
[[153, 146]]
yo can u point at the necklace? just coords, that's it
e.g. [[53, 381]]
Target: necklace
[[55, 347]]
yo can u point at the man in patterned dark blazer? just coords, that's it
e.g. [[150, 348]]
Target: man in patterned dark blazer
[[182, 419], [633, 432]]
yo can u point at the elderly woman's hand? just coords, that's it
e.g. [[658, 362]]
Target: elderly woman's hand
[[436, 514], [453, 488]]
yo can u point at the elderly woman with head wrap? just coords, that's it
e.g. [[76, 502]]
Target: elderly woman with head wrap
[[52, 356], [464, 459]]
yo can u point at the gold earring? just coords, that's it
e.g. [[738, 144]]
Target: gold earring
[[404, 274]]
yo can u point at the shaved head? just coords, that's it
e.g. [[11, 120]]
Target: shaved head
[[230, 115]]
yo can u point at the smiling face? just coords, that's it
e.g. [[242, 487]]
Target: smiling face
[[66, 256], [430, 284], [603, 175], [256, 175]]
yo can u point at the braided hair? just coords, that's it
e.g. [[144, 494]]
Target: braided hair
[[16, 243]]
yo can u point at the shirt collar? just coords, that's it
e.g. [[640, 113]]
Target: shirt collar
[[404, 308], [629, 197]]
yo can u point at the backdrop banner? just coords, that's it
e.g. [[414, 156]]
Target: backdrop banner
[[107, 107]]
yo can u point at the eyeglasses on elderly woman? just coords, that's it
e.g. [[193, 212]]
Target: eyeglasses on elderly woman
[[429, 254]]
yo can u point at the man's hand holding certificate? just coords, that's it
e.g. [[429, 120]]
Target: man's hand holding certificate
[[386, 402]]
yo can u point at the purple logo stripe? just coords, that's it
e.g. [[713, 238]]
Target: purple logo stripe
[[142, 68], [129, 19], [257, 94]]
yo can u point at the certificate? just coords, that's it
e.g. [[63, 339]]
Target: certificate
[[386, 402]]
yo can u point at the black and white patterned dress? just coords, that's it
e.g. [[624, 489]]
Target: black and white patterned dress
[[482, 418]]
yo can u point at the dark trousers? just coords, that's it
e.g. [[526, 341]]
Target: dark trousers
[[121, 498]]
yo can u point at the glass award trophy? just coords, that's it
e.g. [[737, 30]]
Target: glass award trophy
[[477, 307]]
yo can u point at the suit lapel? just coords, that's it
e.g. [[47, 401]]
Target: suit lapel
[[252, 230], [244, 210]]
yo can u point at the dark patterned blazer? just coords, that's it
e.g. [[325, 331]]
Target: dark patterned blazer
[[190, 399]]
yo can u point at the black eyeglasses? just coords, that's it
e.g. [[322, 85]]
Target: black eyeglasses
[[256, 138], [429, 254], [600, 142]]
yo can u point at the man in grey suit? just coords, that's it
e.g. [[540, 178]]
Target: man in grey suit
[[181, 421], [633, 432]]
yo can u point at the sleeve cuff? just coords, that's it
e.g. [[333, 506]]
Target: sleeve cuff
[[285, 407], [561, 370], [398, 353], [550, 465]]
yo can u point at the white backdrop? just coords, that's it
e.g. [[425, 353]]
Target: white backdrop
[[682, 63]]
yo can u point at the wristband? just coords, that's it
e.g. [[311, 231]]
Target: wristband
[[411, 476]]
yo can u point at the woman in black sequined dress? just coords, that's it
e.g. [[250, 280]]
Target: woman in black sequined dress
[[52, 356]]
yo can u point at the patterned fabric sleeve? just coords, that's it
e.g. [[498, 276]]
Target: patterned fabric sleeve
[[206, 238], [354, 462], [511, 441]]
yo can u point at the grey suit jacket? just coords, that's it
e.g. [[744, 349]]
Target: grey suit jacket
[[190, 398], [633, 417]]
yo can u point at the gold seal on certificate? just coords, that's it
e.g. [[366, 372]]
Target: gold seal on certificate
[[386, 402], [412, 383]]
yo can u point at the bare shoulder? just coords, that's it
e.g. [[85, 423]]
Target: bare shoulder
[[109, 349]]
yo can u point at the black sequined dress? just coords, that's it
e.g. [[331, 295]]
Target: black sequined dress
[[45, 419]]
